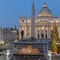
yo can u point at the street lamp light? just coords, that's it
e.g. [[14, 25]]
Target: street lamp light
[[58, 46], [1, 43]]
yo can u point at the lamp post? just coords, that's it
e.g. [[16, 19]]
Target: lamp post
[[1, 43], [58, 46], [1, 50]]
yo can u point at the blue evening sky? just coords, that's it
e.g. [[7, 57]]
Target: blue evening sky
[[11, 10]]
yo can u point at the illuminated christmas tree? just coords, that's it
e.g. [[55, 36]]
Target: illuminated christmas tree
[[54, 38]]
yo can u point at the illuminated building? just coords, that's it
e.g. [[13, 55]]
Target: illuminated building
[[43, 24]]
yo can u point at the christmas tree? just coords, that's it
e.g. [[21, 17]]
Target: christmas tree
[[54, 38]]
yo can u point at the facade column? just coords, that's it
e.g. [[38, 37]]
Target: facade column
[[49, 33], [59, 32], [25, 32], [44, 34], [26, 29], [35, 32], [40, 32], [20, 32]]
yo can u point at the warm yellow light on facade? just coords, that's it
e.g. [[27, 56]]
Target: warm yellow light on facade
[[42, 28], [51, 28], [2, 42], [52, 21], [23, 28], [56, 21]]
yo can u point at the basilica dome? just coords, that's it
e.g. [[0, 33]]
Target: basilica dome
[[45, 11]]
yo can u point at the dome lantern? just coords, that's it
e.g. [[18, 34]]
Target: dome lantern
[[44, 5]]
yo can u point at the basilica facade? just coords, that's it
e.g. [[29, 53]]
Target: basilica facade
[[39, 26]]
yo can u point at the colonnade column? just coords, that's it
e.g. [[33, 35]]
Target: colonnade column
[[44, 34], [20, 32], [48, 33], [40, 32]]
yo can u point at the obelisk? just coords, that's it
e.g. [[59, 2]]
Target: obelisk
[[33, 21]]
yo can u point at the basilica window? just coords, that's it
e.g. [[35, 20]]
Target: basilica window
[[42, 33], [46, 34], [28, 30], [22, 20], [38, 34], [22, 34]]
